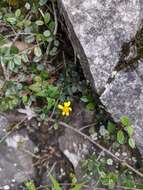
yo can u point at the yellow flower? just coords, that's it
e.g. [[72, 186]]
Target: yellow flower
[[66, 109]]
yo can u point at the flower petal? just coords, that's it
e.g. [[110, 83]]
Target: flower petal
[[67, 114], [60, 107], [70, 109], [63, 113], [67, 104]]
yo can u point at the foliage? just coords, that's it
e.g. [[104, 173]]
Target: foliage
[[55, 183], [72, 81], [74, 184], [90, 104], [30, 186], [31, 32], [94, 168], [107, 176], [128, 129], [124, 132]]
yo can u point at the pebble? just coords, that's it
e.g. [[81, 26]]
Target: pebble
[[6, 187], [15, 164], [117, 154], [13, 180], [124, 154]]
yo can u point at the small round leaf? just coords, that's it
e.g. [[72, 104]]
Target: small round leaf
[[37, 51], [131, 143], [120, 137]]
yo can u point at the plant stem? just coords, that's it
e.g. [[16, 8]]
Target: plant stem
[[123, 162]]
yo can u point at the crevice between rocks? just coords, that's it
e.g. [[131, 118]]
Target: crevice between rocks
[[130, 54], [76, 45]]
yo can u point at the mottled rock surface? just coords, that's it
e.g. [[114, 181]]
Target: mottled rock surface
[[99, 29], [75, 147], [16, 166], [124, 96]]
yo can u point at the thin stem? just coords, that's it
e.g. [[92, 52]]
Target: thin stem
[[123, 162], [10, 132], [55, 18]]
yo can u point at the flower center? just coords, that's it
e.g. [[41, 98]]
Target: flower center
[[66, 109]]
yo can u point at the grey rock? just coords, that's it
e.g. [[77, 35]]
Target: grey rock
[[16, 166], [3, 125], [73, 146], [124, 96], [98, 29]]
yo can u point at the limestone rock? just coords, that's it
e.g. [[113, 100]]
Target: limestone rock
[[73, 146], [16, 166], [124, 96], [98, 29]]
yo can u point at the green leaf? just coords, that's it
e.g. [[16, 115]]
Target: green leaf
[[17, 12], [139, 186], [90, 106], [37, 51], [56, 43], [36, 87], [56, 126], [110, 180], [17, 60], [47, 33], [42, 2], [39, 37], [78, 187], [53, 51], [24, 57], [84, 99], [27, 6], [111, 127], [130, 130], [11, 65], [30, 39], [55, 184], [125, 121], [38, 79], [131, 143], [25, 99], [51, 25], [52, 91], [2, 40], [47, 18], [74, 89], [11, 20], [51, 103], [37, 59], [39, 22], [14, 50], [120, 137], [30, 186]]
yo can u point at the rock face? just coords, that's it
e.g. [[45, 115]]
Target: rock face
[[125, 96], [101, 26], [16, 166], [75, 147], [99, 29]]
